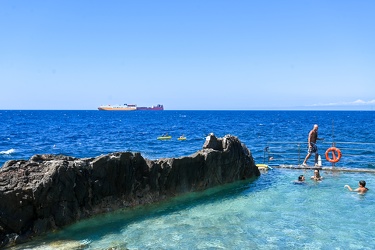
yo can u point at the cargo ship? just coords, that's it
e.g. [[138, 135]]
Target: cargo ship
[[129, 107], [125, 107]]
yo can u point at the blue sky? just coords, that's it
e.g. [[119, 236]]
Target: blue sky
[[188, 54]]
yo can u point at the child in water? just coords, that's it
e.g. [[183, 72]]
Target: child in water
[[361, 189], [301, 180]]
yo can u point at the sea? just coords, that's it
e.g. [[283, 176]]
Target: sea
[[268, 212]]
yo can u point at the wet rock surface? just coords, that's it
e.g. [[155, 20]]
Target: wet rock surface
[[48, 192]]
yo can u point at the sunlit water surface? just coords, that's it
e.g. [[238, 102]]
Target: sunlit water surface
[[267, 213], [270, 212]]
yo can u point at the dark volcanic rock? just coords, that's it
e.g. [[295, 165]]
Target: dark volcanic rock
[[51, 191]]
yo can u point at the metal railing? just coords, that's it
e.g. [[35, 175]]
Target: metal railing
[[354, 154]]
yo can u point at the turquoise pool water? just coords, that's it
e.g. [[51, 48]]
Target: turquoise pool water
[[267, 213]]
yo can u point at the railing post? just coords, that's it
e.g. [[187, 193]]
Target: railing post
[[264, 155], [288, 155], [333, 145]]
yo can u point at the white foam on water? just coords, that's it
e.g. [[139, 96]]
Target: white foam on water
[[8, 152]]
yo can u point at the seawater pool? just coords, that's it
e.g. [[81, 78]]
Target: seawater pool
[[269, 212]]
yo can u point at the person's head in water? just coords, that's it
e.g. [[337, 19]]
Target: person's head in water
[[316, 173], [362, 183], [301, 178]]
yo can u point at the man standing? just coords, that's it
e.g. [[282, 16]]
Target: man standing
[[313, 137]]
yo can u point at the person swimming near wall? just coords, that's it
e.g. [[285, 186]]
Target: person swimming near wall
[[301, 180], [316, 176], [361, 187]]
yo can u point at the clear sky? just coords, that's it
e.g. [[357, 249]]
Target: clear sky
[[188, 54]]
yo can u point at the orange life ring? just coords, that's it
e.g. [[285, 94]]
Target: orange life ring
[[334, 152]]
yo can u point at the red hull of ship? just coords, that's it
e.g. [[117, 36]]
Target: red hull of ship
[[158, 107], [149, 108]]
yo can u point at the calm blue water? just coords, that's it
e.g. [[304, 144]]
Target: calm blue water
[[92, 133], [267, 213]]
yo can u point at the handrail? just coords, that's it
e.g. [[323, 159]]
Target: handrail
[[321, 142], [354, 154]]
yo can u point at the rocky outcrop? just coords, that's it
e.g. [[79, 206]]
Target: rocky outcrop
[[49, 191]]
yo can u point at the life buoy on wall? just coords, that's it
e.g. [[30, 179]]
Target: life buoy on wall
[[336, 154]]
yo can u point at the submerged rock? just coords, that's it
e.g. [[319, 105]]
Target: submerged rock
[[50, 191]]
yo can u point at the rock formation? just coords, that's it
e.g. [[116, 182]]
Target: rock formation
[[50, 191]]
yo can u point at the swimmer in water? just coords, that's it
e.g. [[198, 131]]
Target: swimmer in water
[[317, 176], [301, 180], [361, 187]]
